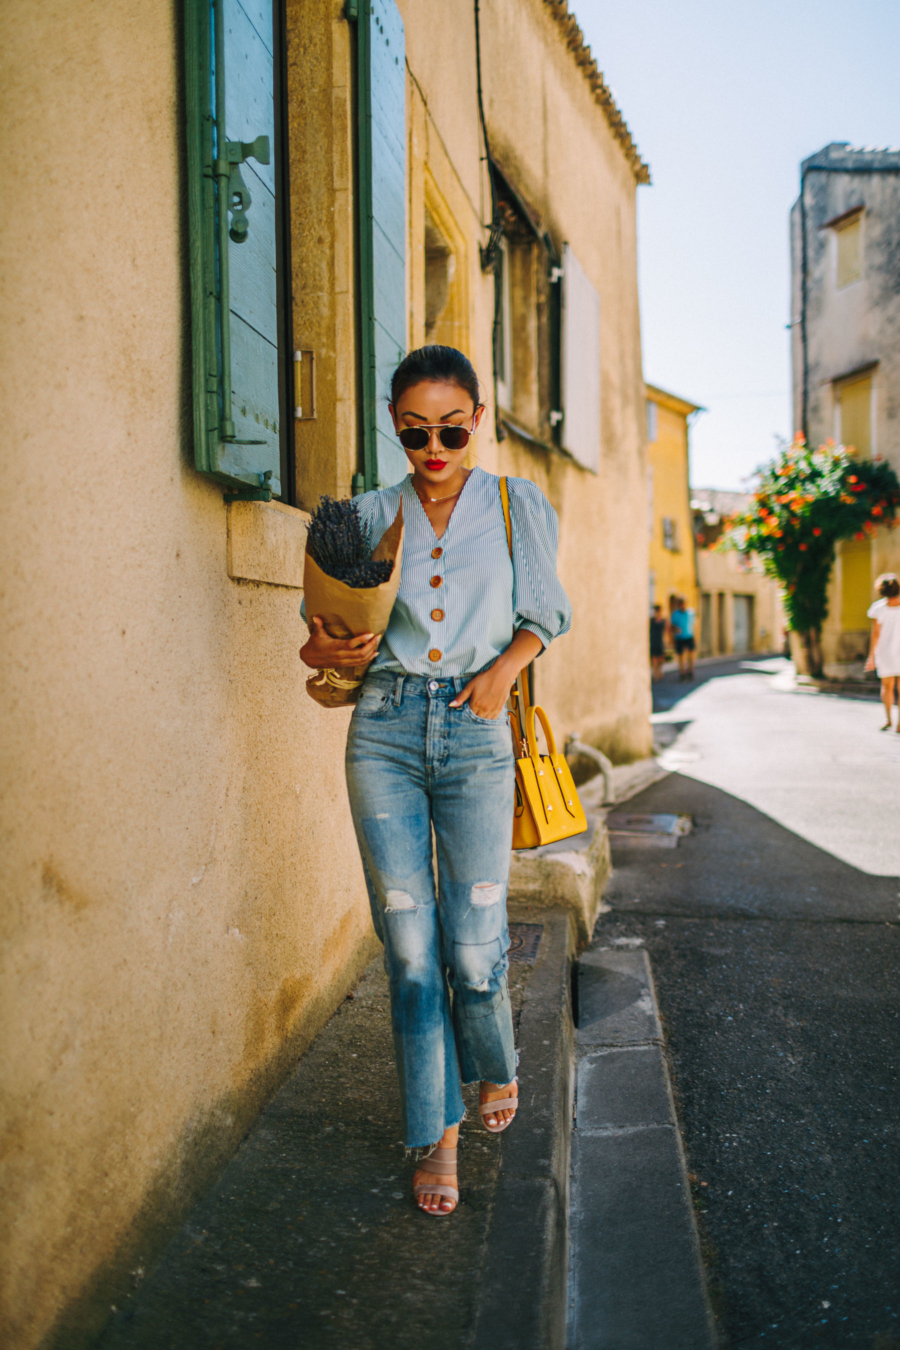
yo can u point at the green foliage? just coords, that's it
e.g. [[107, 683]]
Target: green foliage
[[807, 500]]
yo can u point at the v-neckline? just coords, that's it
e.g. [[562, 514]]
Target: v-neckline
[[440, 537]]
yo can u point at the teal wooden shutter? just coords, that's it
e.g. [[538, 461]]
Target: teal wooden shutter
[[233, 258], [381, 63]]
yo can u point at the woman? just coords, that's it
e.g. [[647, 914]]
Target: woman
[[658, 627], [884, 653], [429, 747]]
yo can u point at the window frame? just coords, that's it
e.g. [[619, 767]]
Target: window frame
[[214, 429], [852, 221]]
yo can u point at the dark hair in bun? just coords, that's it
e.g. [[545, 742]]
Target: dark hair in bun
[[443, 365]]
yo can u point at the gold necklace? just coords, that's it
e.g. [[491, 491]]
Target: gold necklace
[[448, 498]]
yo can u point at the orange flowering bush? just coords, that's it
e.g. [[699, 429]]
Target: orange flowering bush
[[807, 500]]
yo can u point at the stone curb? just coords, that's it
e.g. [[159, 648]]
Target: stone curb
[[524, 1284], [637, 1275]]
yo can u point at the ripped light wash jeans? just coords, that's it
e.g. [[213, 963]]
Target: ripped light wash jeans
[[414, 763]]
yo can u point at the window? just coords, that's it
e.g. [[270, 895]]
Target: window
[[848, 239], [853, 405], [381, 103], [440, 269], [526, 321], [652, 421], [503, 327], [580, 364], [443, 285], [670, 534], [721, 624], [235, 193]]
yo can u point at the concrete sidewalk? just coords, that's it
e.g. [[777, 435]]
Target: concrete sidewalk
[[311, 1236]]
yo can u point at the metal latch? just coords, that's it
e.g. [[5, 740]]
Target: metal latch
[[237, 197]]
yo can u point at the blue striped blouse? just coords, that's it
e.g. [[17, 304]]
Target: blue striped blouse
[[461, 598]]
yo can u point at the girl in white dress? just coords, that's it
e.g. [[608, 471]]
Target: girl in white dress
[[884, 653]]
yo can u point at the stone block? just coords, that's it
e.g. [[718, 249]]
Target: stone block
[[637, 1277], [568, 875], [620, 1089], [616, 1004], [266, 542]]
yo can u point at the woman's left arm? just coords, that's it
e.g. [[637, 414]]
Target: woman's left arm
[[487, 693], [541, 609]]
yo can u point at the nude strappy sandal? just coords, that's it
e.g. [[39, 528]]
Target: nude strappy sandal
[[502, 1104], [441, 1162]]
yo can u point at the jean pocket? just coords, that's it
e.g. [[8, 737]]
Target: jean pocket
[[372, 702], [501, 720]]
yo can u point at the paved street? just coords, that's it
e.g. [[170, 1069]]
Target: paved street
[[774, 940]]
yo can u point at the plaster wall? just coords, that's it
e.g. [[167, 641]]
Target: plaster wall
[[556, 147], [183, 902]]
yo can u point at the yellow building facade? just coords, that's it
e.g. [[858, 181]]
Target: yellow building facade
[[184, 903], [673, 566]]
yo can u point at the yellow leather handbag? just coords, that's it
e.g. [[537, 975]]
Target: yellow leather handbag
[[547, 807]]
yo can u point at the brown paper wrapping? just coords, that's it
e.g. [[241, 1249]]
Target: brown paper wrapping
[[347, 612]]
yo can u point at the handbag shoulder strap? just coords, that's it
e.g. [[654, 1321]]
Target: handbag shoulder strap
[[520, 694], [504, 497]]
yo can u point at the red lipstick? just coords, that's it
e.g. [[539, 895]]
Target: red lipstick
[[435, 464]]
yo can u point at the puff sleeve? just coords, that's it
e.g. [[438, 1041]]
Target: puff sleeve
[[539, 602]]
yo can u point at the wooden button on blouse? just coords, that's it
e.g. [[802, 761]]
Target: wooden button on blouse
[[434, 654], [437, 552], [437, 615], [437, 581]]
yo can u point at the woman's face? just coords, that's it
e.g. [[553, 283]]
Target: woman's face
[[435, 403]]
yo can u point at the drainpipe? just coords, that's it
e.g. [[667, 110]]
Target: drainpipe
[[574, 746]]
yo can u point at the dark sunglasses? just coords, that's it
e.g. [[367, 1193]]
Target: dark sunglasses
[[451, 437]]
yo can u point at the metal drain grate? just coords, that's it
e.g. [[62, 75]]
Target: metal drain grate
[[636, 830], [524, 940]]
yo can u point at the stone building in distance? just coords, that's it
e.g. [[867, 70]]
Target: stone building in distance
[[845, 326]]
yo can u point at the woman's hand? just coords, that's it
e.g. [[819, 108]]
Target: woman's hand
[[486, 693], [327, 653]]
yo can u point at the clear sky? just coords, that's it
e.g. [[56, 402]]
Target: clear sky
[[724, 100]]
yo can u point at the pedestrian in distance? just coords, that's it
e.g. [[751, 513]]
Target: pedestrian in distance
[[884, 649], [430, 756], [682, 624], [658, 627]]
